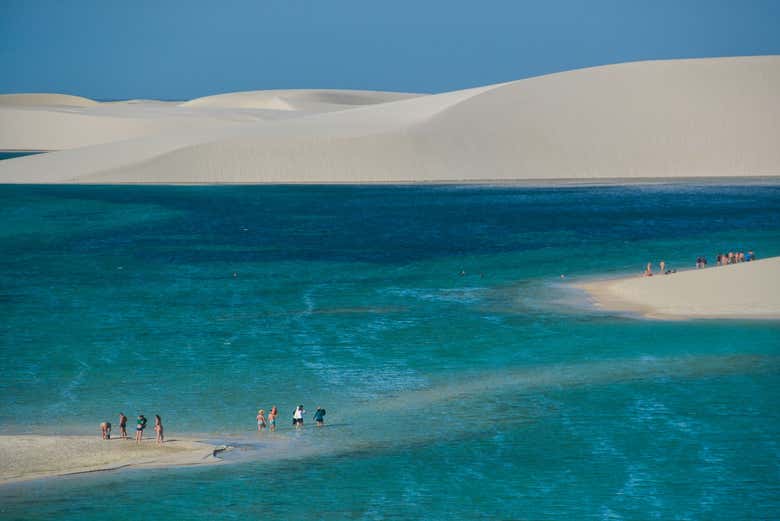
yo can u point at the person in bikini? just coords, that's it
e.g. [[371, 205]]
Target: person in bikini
[[158, 428]]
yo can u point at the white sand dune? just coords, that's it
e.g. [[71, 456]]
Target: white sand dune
[[661, 119], [746, 290], [29, 457], [44, 99], [300, 100]]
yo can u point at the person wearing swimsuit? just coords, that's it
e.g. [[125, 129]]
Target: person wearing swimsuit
[[261, 420], [272, 417], [158, 428], [123, 425]]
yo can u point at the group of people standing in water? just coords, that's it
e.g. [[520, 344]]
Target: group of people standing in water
[[701, 262], [140, 426], [297, 418]]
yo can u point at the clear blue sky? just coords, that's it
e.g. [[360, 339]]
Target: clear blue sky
[[183, 49]]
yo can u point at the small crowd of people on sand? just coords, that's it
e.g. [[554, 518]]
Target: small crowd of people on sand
[[140, 426], [722, 259], [269, 422], [734, 257]]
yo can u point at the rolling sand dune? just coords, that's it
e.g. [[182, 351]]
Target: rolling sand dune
[[42, 99], [746, 290], [662, 119], [302, 100]]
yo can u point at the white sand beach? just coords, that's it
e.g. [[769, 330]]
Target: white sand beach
[[671, 119], [27, 457], [745, 290]]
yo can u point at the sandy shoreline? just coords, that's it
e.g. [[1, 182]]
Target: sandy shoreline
[[749, 290], [30, 457]]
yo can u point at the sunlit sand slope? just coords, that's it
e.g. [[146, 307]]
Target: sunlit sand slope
[[662, 119]]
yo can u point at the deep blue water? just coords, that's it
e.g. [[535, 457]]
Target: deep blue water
[[462, 376], [11, 155]]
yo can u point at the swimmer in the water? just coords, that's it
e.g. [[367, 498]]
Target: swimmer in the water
[[272, 417], [261, 420]]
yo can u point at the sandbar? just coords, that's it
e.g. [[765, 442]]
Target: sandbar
[[28, 457], [748, 290]]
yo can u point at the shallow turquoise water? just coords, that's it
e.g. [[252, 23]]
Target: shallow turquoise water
[[493, 394]]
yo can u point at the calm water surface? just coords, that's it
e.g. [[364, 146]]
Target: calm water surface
[[462, 376]]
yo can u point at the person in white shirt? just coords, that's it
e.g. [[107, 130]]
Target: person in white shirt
[[298, 417]]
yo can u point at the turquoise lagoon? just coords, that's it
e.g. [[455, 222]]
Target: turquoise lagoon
[[463, 377]]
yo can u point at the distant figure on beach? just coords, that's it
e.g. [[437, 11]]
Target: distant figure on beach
[[319, 416], [662, 264], [649, 270], [751, 256], [298, 417], [105, 430], [140, 425], [261, 419], [158, 428], [122, 425], [272, 417]]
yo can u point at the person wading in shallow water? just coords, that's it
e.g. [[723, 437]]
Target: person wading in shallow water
[[319, 416], [298, 417], [140, 425]]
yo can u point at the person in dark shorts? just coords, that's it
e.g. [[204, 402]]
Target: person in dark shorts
[[298, 417], [123, 425], [319, 416], [140, 425]]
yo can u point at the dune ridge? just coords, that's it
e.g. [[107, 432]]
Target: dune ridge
[[717, 117]]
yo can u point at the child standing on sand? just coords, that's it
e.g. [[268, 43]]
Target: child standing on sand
[[158, 428], [261, 419]]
